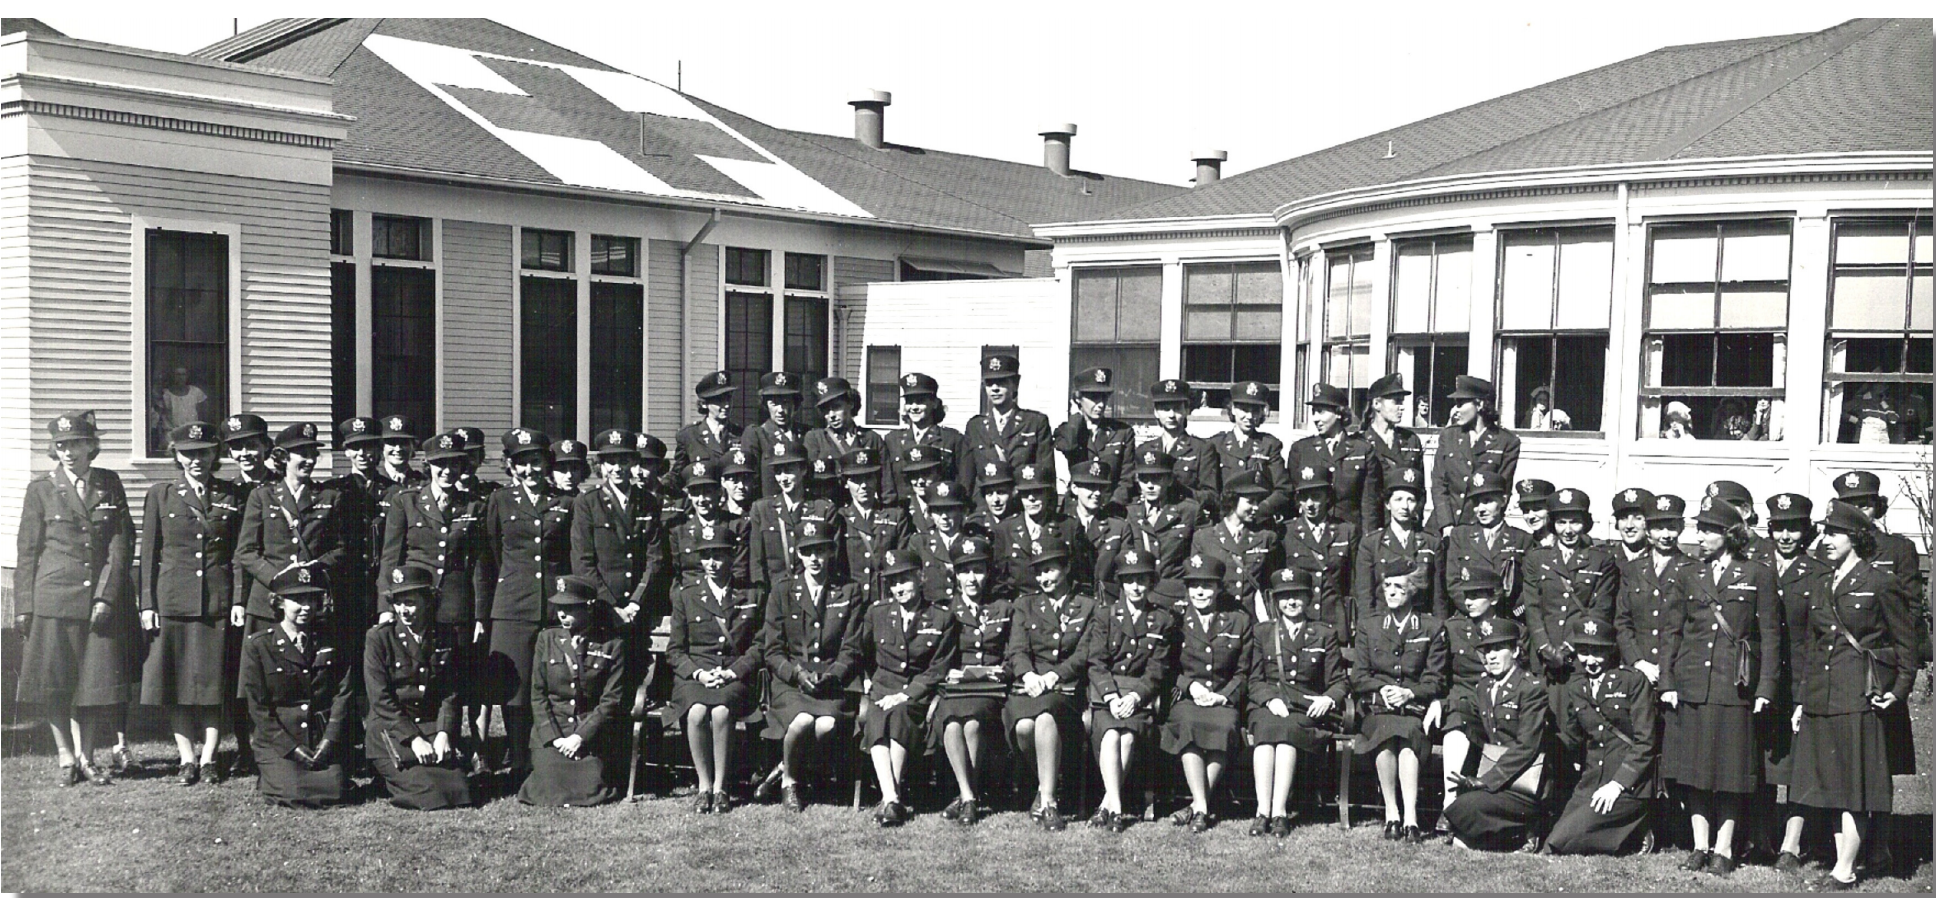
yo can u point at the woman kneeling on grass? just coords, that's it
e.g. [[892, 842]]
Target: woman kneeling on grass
[[299, 691], [1297, 685], [577, 694], [1213, 666], [1498, 807], [973, 694], [1130, 650], [410, 679], [1400, 670], [711, 651], [906, 646]]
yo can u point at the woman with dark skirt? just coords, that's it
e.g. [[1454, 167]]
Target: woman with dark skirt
[[1454, 719], [1722, 645], [1296, 692], [973, 693], [71, 590], [1399, 672], [1859, 659], [410, 680], [906, 646], [1213, 665], [809, 617], [578, 747], [299, 689], [1131, 648], [1046, 665], [1798, 575], [713, 657], [1499, 806]]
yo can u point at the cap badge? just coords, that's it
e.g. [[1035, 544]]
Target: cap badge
[[860, 458], [1590, 627], [1478, 480], [1411, 476], [302, 575], [1630, 495], [1252, 390], [1196, 561], [1714, 489], [1465, 573], [1852, 480], [356, 425], [1566, 497], [909, 381], [443, 442], [309, 430], [1028, 472], [699, 469], [561, 585], [915, 454], [396, 575], [1102, 377], [197, 432], [1663, 503], [1149, 458], [779, 380], [944, 489], [1317, 391], [1784, 503], [615, 438], [995, 364], [1130, 557], [1707, 503], [1308, 473], [1485, 628], [809, 528], [820, 388], [524, 438], [395, 423], [235, 423], [989, 470], [64, 423], [568, 445], [720, 378]]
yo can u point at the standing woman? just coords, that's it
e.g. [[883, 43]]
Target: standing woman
[[1397, 447], [1242, 541], [1798, 575], [1297, 681], [1860, 652], [972, 694], [1402, 536], [1162, 521], [922, 414], [809, 616], [292, 523], [1473, 443], [189, 578], [299, 688], [905, 646], [527, 527], [72, 587], [780, 396], [578, 746], [1403, 659], [707, 439], [1045, 662], [1318, 542], [1213, 664], [1723, 636], [1245, 448], [1348, 459], [1131, 648], [715, 619]]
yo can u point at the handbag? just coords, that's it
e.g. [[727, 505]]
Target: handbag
[[1527, 784], [1869, 656]]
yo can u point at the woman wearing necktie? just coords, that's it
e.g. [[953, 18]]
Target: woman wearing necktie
[[1130, 652], [1045, 663], [711, 651], [1212, 669], [578, 747], [1296, 691], [905, 646], [809, 617], [1401, 669], [410, 676], [299, 687]]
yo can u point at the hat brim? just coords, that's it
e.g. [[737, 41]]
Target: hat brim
[[1479, 492], [1193, 577], [710, 393], [299, 591], [616, 451], [813, 543], [237, 437], [565, 600], [300, 444], [692, 482], [363, 437], [1302, 589], [1458, 394], [993, 376], [406, 589], [1593, 642], [1090, 481], [444, 455], [779, 393], [1252, 492], [1048, 557], [1494, 641], [1155, 470], [188, 445], [1714, 520], [831, 398], [526, 450], [860, 470], [999, 481], [899, 569], [1141, 570]]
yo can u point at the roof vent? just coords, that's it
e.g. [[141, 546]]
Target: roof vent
[[1055, 147], [1209, 165], [870, 116], [1391, 150]]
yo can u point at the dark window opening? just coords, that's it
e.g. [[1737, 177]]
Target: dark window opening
[[188, 331], [400, 237], [615, 256], [884, 385], [403, 343], [342, 340], [342, 232], [546, 250], [746, 267], [548, 354], [749, 351], [618, 356]]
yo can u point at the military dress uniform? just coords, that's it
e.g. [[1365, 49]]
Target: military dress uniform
[[1357, 477], [1248, 555], [804, 634], [1501, 549], [1513, 716], [1466, 664], [1193, 461], [1259, 454], [1895, 555], [1377, 547], [359, 495], [301, 694], [1019, 437], [1613, 720], [1164, 529], [944, 446], [578, 688], [1640, 613], [774, 528], [281, 527], [983, 628], [1328, 550], [1105, 439], [714, 629], [1460, 455], [1562, 586], [411, 678], [1402, 450], [902, 649], [1296, 662], [1215, 650], [1407, 650], [698, 441], [447, 537], [759, 440], [1796, 579], [188, 580], [826, 442], [937, 552], [619, 543], [868, 534], [1046, 636], [529, 533], [1129, 653]]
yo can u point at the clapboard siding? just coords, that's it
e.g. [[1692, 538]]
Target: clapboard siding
[[477, 321], [663, 390], [16, 383], [850, 272]]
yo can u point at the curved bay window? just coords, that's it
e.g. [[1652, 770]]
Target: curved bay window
[[1346, 328], [1878, 377], [1431, 320], [1716, 343], [1555, 301]]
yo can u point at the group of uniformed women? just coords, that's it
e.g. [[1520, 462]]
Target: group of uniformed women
[[923, 587]]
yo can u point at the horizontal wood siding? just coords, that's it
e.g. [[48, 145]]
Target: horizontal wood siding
[[850, 275], [477, 322], [664, 393], [16, 384]]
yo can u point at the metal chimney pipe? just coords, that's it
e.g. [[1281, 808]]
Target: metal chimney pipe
[[870, 117], [1055, 147], [1209, 165]]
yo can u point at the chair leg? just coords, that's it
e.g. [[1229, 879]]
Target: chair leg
[[632, 772], [1340, 755]]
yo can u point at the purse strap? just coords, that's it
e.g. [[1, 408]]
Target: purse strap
[[1597, 719]]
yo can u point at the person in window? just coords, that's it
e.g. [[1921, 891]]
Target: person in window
[[1045, 663], [1297, 682], [1798, 574], [299, 688], [1723, 656], [1609, 714], [1641, 613], [1399, 671], [527, 526], [713, 655], [904, 648], [1398, 447], [1473, 443], [1874, 414], [1357, 485], [1543, 416], [1008, 433], [1130, 652], [1488, 543], [577, 699], [810, 615], [1214, 658], [189, 579], [708, 438], [72, 589], [945, 448], [1246, 448], [1400, 537], [1678, 422], [1514, 722], [410, 678], [974, 691], [1248, 549], [1088, 433], [780, 396], [178, 402], [1858, 644], [1732, 422], [1455, 717], [1195, 461]]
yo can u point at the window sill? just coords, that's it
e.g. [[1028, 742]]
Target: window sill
[[1597, 435]]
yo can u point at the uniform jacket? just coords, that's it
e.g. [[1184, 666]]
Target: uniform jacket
[[1217, 653], [1296, 668], [709, 632], [799, 636], [188, 549], [361, 500], [1357, 477], [532, 544], [1107, 439], [1124, 655], [695, 442], [278, 528], [1262, 456], [450, 542], [1025, 441], [411, 687], [1516, 715], [758, 442], [1705, 658], [1248, 557], [1640, 612], [937, 575], [1392, 652], [863, 539], [1466, 665], [913, 658], [1559, 590], [1467, 548], [1042, 638], [296, 698], [1013, 548], [684, 548], [1459, 457], [773, 530], [1376, 547], [1834, 677], [624, 550], [74, 549], [1332, 557], [576, 691], [1796, 587], [1093, 548], [1623, 705], [949, 446], [1405, 450], [1165, 532], [1199, 474], [822, 442]]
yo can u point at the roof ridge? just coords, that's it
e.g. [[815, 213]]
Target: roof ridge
[[959, 155]]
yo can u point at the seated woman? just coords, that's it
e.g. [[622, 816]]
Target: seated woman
[[906, 646], [411, 685], [976, 687], [1455, 718], [1213, 665], [1497, 808], [1609, 712], [1297, 686], [577, 692], [1131, 647], [299, 691], [711, 651], [1045, 663], [809, 618], [1399, 671]]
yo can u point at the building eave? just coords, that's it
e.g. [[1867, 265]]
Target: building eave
[[1153, 226]]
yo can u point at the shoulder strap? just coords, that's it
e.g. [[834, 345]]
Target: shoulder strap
[[1595, 718]]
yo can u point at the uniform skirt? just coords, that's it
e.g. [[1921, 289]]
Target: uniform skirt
[[1065, 707], [1711, 747], [1841, 762], [284, 782], [422, 787], [560, 782], [186, 662], [507, 667], [901, 723], [1381, 728], [789, 702], [734, 696], [1139, 724], [233, 638], [1776, 741], [1583, 830], [1193, 727], [1898, 738], [1297, 730], [978, 701], [66, 660]]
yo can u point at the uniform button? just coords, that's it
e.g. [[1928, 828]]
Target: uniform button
[[87, 583], [440, 544], [198, 573]]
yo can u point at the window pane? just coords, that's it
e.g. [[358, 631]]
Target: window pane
[[883, 384], [1750, 308], [1260, 322], [746, 267], [403, 337], [1208, 364], [806, 336], [617, 256], [342, 340], [1140, 310], [1746, 360], [1263, 364], [1263, 283], [1207, 285], [399, 237], [1919, 317], [1439, 366], [1529, 361], [806, 272], [187, 303], [342, 231], [1687, 360], [1586, 278], [749, 350], [1206, 324], [1526, 286], [1872, 356], [1683, 256], [1920, 356], [1677, 308], [1869, 300], [1348, 365], [1095, 307], [1348, 295], [1452, 306], [1136, 369], [1412, 295], [1580, 387], [548, 354], [618, 355], [1872, 243], [1755, 253], [1878, 413]]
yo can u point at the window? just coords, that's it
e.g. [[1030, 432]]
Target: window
[[548, 354], [188, 331], [1716, 330], [1879, 366], [546, 250], [403, 343], [749, 350], [804, 272], [1118, 313], [1307, 292], [399, 237], [806, 336], [884, 385], [1431, 320], [615, 256], [746, 267], [1233, 326], [1555, 300], [1347, 325], [342, 232], [342, 340], [1013, 352]]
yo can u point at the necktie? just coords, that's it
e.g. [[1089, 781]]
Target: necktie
[[298, 640]]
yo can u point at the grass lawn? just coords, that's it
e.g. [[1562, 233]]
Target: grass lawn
[[146, 833]]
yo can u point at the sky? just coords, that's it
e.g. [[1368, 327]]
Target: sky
[[1147, 85]]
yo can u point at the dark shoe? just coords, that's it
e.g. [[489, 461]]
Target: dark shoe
[[1414, 836], [790, 799], [702, 803], [214, 775], [1719, 864], [1199, 823], [1696, 860], [1789, 862], [1394, 830], [1831, 884], [69, 775], [1182, 817], [767, 790], [882, 816], [191, 773], [1534, 845], [99, 777], [1119, 823], [122, 760], [971, 811], [1052, 818], [243, 765], [1102, 818], [952, 811], [722, 802], [1280, 826], [1259, 826]]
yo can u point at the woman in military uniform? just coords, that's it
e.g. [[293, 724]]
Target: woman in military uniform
[[1473, 443], [1045, 664], [1318, 542], [1798, 574], [777, 518], [527, 526], [1041, 519], [715, 620], [706, 510], [1859, 651], [1213, 665], [1609, 714], [736, 483], [71, 594], [410, 678], [1294, 697], [868, 528], [1564, 582], [299, 688], [1162, 520], [1640, 609], [578, 747], [814, 690], [937, 546], [1194, 463], [1483, 541], [569, 467], [1130, 648], [707, 439], [1348, 461], [1245, 448], [1397, 447], [905, 647], [1241, 540], [1499, 807], [1401, 537], [1455, 717], [1402, 661], [921, 414], [972, 693]]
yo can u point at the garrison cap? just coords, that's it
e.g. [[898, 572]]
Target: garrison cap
[[1667, 508], [1390, 385], [351, 431], [779, 384], [235, 427], [1203, 567], [1631, 501], [916, 384], [1789, 507], [520, 440], [1328, 396], [1095, 380], [298, 436], [1857, 485], [1000, 367], [300, 581], [717, 385], [193, 435], [1396, 566]]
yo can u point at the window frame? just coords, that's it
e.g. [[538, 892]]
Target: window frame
[[1556, 235], [426, 238], [141, 359], [1153, 346], [635, 248], [1274, 268], [1653, 397], [1834, 394], [885, 393], [566, 256], [1326, 345]]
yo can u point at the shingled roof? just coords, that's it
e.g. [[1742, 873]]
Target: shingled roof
[[473, 98], [1863, 85]]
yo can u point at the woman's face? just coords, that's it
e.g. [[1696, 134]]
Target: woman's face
[[1464, 412], [902, 588], [1537, 517], [198, 464], [780, 411], [1476, 603], [569, 477], [1092, 404], [1324, 417], [1247, 417], [1592, 660], [1632, 527], [736, 487], [1171, 415], [1500, 658], [397, 453], [617, 472], [996, 498], [715, 411], [814, 560], [1836, 546], [946, 519], [714, 562], [916, 410], [1311, 504], [297, 463], [1291, 605], [1048, 575], [362, 457], [861, 490], [1035, 502], [918, 482], [1203, 594], [969, 579], [1389, 408], [574, 618], [408, 607], [1487, 510], [1403, 506], [1244, 510], [1151, 487], [1712, 541], [1570, 529], [1089, 497], [1665, 535], [999, 392], [446, 473], [1397, 592], [839, 414], [788, 478], [248, 454], [1135, 588], [704, 499], [1787, 537], [297, 610]]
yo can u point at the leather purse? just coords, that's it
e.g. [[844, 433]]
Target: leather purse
[[1527, 783]]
